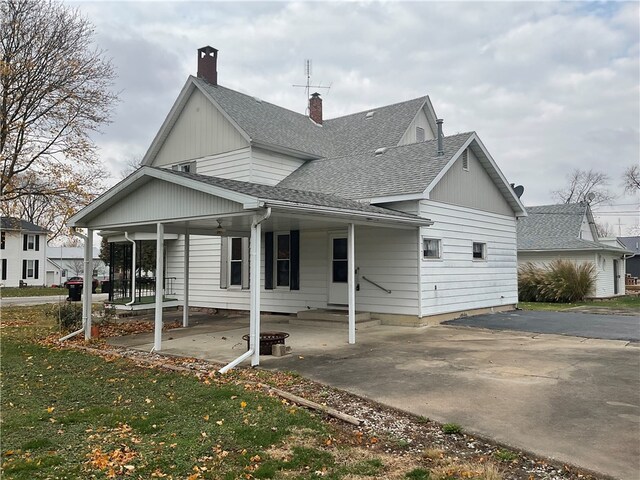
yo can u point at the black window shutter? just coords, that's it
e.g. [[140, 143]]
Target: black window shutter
[[37, 243], [24, 269], [24, 242], [4, 269], [268, 260], [35, 268], [294, 284]]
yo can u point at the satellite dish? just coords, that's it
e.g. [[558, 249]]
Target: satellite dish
[[519, 190], [590, 197]]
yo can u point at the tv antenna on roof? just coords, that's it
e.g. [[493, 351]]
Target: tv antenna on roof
[[307, 87]]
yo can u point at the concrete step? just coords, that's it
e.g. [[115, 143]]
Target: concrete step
[[331, 318]]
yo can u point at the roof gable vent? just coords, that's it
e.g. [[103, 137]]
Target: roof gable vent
[[369, 115], [465, 160], [380, 151]]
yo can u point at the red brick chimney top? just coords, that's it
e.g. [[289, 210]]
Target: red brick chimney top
[[208, 64], [315, 108]]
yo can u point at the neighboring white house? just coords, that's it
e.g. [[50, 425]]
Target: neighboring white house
[[23, 250], [67, 262], [568, 231], [377, 210]]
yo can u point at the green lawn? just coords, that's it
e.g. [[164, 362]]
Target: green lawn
[[32, 291], [627, 302], [67, 414]]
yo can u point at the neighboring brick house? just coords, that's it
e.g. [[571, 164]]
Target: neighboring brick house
[[23, 249]]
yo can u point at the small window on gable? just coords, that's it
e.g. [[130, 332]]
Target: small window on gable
[[430, 248], [465, 160], [188, 167], [479, 251], [419, 134]]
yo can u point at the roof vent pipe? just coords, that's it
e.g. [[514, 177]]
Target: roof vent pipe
[[439, 121]]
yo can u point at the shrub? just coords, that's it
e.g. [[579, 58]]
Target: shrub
[[68, 314], [450, 428], [560, 281]]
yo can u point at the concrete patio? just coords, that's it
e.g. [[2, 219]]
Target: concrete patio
[[573, 399]]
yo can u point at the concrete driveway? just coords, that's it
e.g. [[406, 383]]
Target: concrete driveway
[[570, 398], [609, 327]]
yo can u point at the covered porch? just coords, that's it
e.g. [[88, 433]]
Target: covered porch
[[162, 204]]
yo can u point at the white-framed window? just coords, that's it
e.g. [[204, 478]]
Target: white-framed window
[[30, 268], [431, 248], [465, 160], [235, 262], [283, 259], [479, 251], [64, 272], [31, 242], [188, 167], [419, 134]]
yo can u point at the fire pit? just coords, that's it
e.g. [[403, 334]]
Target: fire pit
[[267, 340]]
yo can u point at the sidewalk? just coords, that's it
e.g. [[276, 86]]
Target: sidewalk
[[24, 301]]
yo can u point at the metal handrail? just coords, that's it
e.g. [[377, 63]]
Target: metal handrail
[[375, 284]]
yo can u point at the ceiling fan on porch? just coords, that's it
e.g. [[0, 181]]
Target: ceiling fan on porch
[[220, 230]]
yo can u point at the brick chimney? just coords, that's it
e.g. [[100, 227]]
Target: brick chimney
[[315, 108], [208, 64]]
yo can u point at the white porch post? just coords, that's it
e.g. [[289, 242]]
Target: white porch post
[[254, 329], [157, 337], [87, 284], [185, 305], [351, 260]]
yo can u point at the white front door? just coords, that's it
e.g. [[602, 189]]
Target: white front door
[[338, 270]]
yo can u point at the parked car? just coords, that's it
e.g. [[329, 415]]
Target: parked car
[[72, 280]]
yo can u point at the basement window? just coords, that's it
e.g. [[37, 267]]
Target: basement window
[[465, 160], [479, 251], [419, 134]]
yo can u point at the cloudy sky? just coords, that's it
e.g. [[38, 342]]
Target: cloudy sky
[[549, 87]]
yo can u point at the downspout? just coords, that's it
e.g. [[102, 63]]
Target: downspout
[[133, 271], [75, 233], [254, 325]]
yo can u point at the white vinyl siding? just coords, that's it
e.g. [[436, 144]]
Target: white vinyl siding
[[457, 282], [386, 256], [142, 204], [421, 122], [14, 254], [474, 188], [200, 130], [234, 165], [269, 168], [603, 261]]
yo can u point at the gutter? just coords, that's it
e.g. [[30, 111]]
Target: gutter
[[84, 314], [254, 312], [333, 211]]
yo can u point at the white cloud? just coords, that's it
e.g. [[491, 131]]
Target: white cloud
[[548, 86]]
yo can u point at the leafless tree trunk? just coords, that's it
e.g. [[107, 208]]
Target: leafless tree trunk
[[55, 92]]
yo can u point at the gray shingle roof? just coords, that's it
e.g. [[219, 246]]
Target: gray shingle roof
[[292, 196], [555, 227], [12, 223], [399, 170], [267, 123], [632, 244]]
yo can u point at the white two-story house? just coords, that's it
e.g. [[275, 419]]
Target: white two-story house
[[376, 212], [23, 250]]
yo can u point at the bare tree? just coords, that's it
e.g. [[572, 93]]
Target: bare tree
[[585, 186], [55, 92], [130, 166], [631, 179], [605, 229]]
